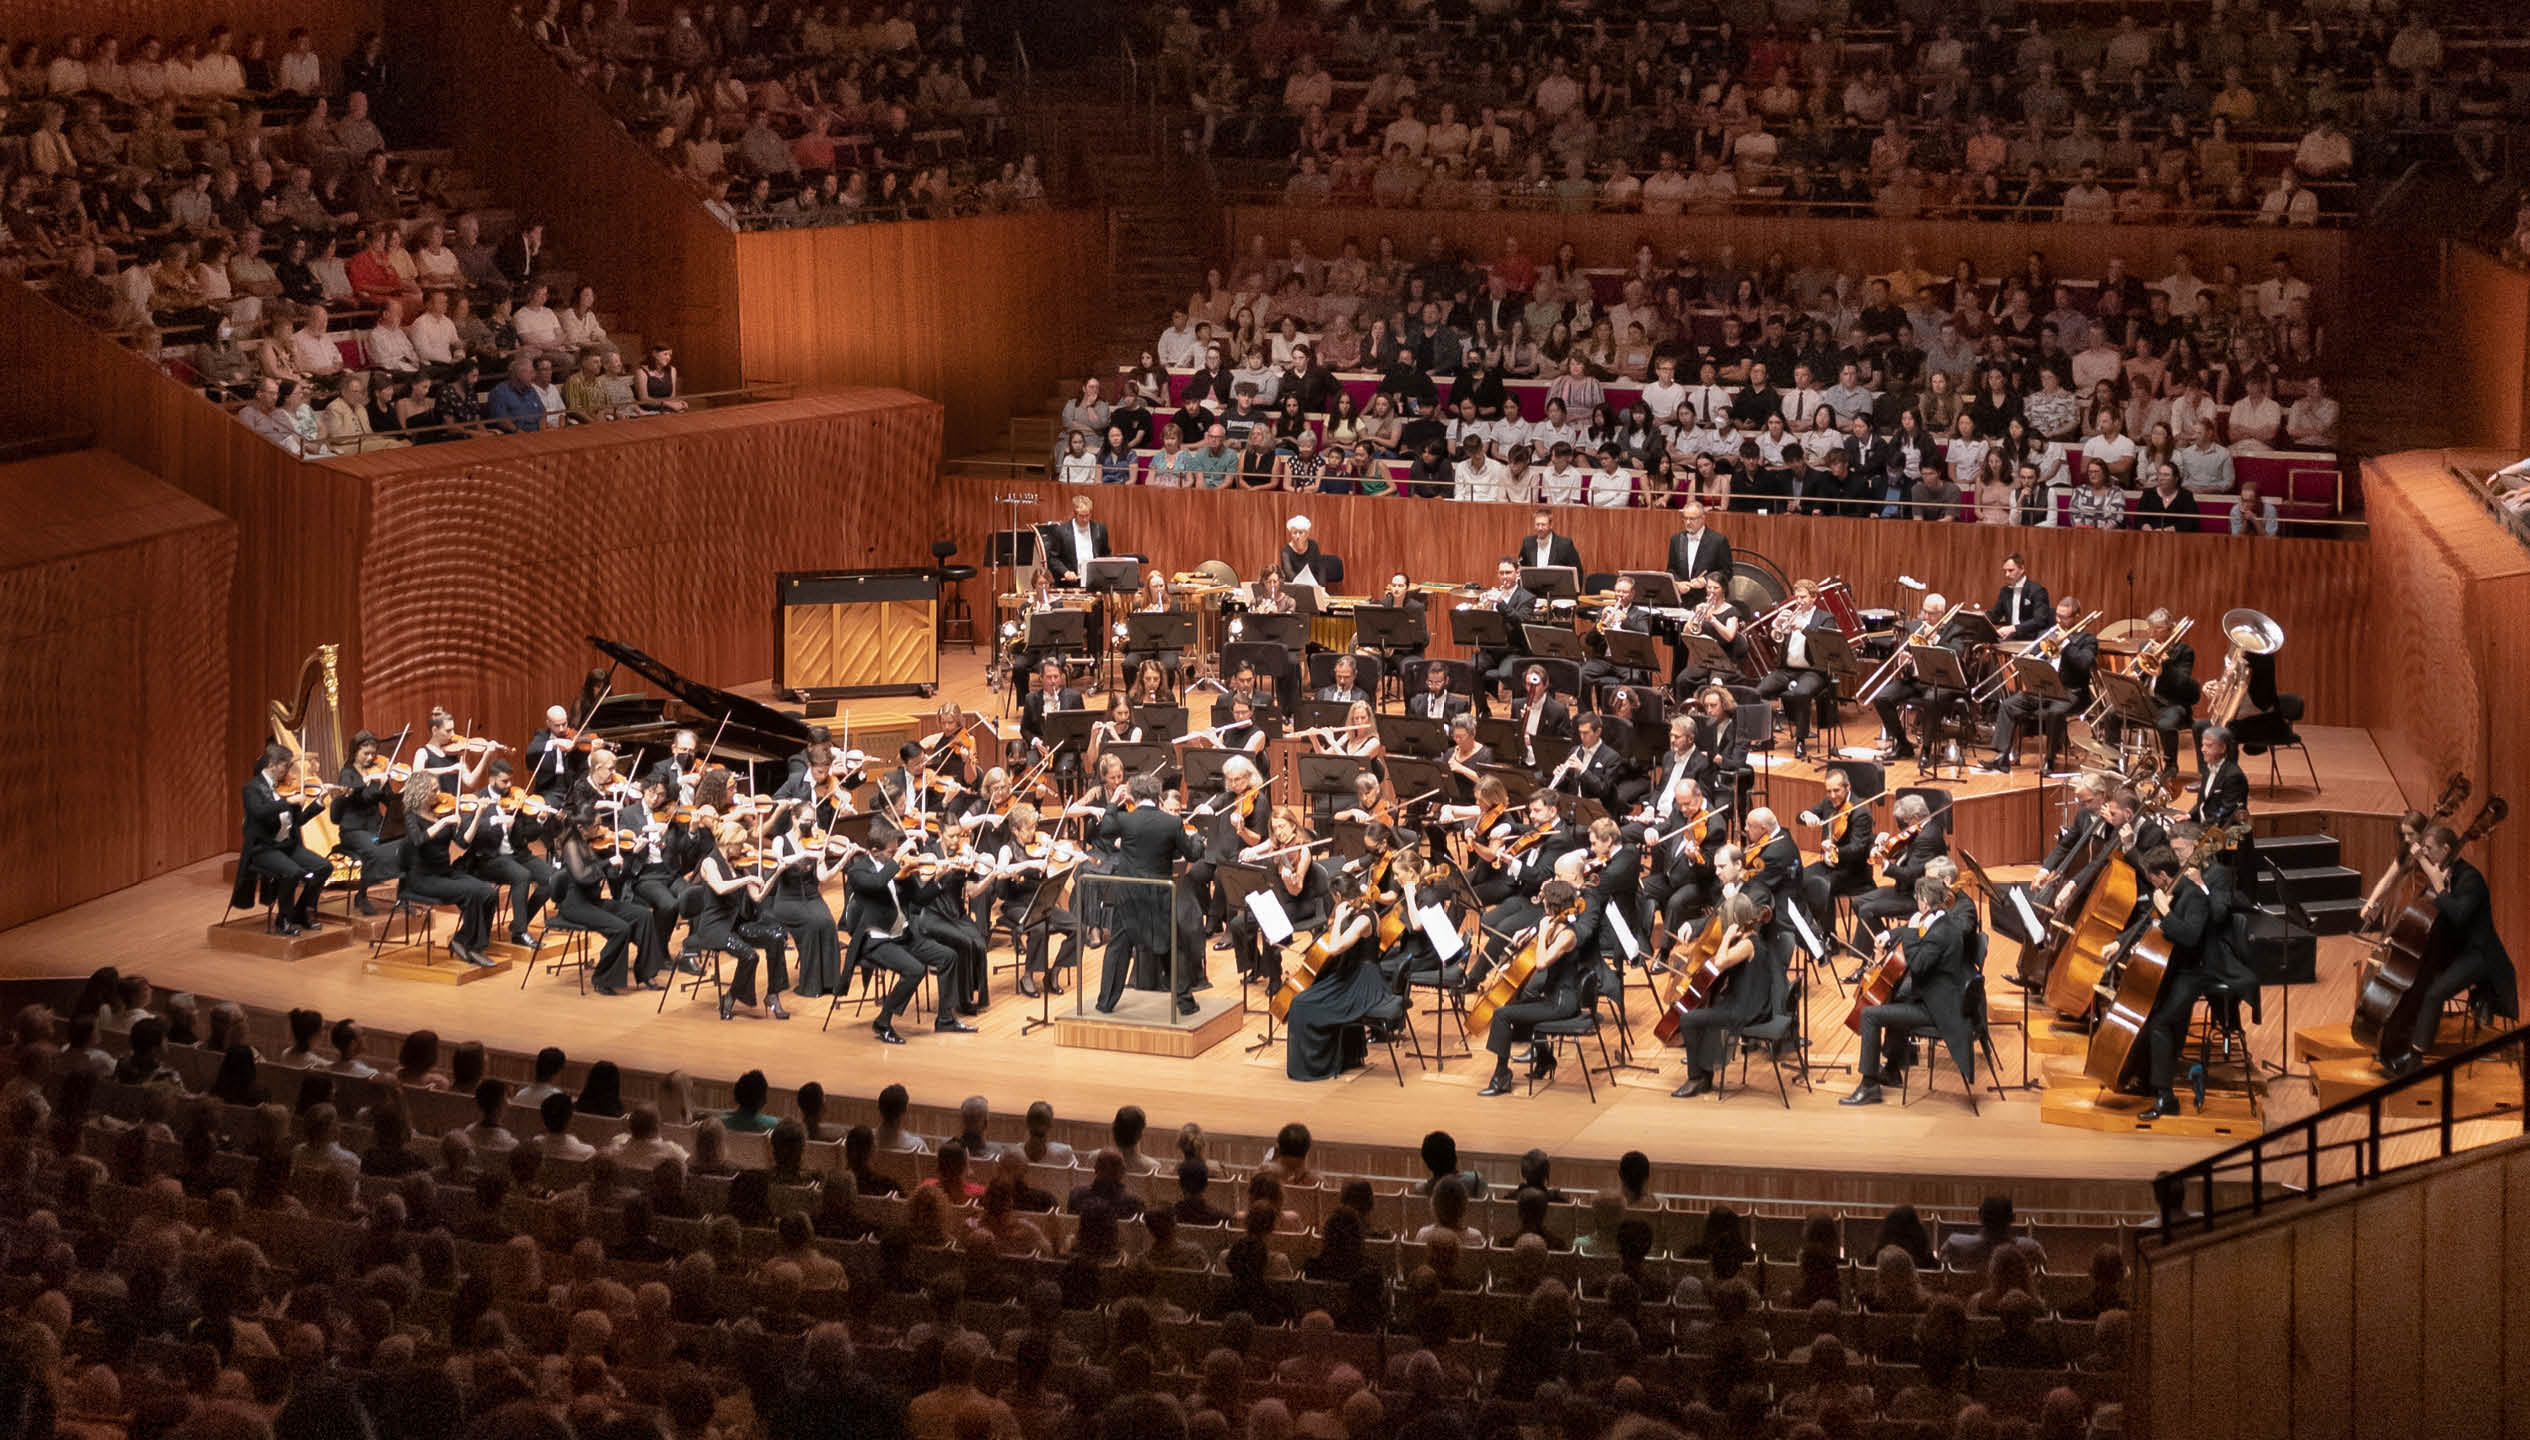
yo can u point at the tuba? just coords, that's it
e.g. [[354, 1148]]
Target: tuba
[[2250, 633]]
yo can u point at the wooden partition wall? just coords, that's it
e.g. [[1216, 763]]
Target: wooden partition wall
[[484, 566], [114, 600], [334, 23], [2311, 587], [663, 268], [2449, 648], [986, 314], [2390, 1310], [1997, 247], [2488, 305]]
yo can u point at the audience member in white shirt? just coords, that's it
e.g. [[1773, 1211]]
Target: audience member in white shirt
[[2257, 421], [1479, 476], [1665, 394]]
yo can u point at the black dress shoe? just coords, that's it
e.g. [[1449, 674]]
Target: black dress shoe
[[610, 991], [1696, 1085], [1106, 1008], [1866, 1093], [481, 961], [1028, 986], [1500, 1084], [1801, 749], [1995, 765], [728, 1007], [525, 941], [688, 965], [1186, 1005], [2167, 1104], [2403, 1064], [364, 905], [952, 1025], [886, 1034], [1053, 986], [773, 1007], [281, 925], [969, 1007], [1543, 1066]]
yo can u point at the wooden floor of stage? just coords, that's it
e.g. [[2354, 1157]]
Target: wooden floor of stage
[[159, 928]]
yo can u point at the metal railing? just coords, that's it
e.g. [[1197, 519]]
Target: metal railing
[[2296, 1162]]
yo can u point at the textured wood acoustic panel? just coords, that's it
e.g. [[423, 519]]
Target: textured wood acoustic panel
[[2314, 588], [854, 646], [2489, 304], [114, 599]]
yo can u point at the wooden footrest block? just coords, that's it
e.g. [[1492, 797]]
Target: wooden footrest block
[[2050, 1034], [2081, 1103], [2315, 1043], [2485, 1088], [408, 962], [252, 935]]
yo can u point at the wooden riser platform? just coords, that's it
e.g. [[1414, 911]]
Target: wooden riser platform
[[406, 962], [2315, 1043], [2479, 1090], [250, 934], [2077, 1101], [1144, 1025]]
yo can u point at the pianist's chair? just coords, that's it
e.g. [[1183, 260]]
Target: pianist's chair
[[957, 622]]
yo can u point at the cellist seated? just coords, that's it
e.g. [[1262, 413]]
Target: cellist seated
[[1935, 944]]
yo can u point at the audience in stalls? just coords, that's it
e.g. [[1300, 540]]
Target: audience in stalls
[[1818, 390], [805, 115], [2237, 117], [202, 1262], [255, 226]]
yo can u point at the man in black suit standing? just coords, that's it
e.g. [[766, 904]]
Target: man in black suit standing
[[1695, 550], [1149, 842], [1545, 547], [1071, 545], [2020, 607], [2463, 928]]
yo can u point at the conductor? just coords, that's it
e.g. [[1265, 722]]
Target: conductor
[[1149, 842]]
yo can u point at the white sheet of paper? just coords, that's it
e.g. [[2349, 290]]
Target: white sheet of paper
[[1809, 937], [1443, 935], [1269, 915], [2028, 916], [1624, 933]]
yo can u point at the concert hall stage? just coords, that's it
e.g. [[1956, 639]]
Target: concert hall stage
[[1934, 1146]]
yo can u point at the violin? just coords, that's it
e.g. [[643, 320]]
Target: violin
[[381, 772]]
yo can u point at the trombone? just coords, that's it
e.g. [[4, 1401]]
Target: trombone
[[1903, 658], [2046, 647]]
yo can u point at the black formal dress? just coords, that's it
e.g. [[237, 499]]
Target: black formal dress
[[730, 924], [797, 904], [1325, 1037], [1306, 907], [430, 872], [359, 818], [580, 899]]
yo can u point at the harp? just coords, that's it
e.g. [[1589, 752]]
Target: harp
[[309, 725]]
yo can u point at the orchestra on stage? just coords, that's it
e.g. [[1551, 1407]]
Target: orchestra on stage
[[1526, 820]]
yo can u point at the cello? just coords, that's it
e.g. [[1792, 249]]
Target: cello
[[1314, 959], [2409, 960], [1879, 984], [1697, 966], [1512, 975]]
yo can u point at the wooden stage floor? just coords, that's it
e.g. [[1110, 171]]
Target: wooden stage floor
[[159, 928]]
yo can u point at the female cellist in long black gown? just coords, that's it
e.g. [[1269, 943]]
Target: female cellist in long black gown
[[798, 904], [1325, 1036], [431, 835]]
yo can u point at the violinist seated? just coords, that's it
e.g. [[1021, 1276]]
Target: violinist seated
[[982, 813], [912, 796], [2021, 711], [1714, 615], [1528, 857], [939, 895], [1620, 613], [2178, 909], [2464, 931], [271, 851], [1436, 701], [1752, 964], [1845, 842], [556, 756], [1591, 770], [1233, 821], [1799, 683], [1368, 806], [1933, 703], [1558, 956], [654, 837], [368, 782], [436, 822], [821, 793], [882, 939], [1902, 855], [1411, 958], [1298, 885], [1539, 712], [1051, 693], [583, 874], [1615, 874], [2174, 687], [1774, 864], [1466, 757], [1475, 835], [1680, 846], [1028, 871], [498, 854], [1936, 940], [1344, 686], [680, 767]]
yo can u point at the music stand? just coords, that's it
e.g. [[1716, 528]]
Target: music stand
[[1063, 632], [1704, 655], [1410, 735], [1159, 723], [2129, 696], [1322, 714], [1013, 549], [1551, 750], [1479, 629], [1553, 642], [1937, 667], [1390, 627], [1653, 587], [2039, 678], [1306, 600], [1041, 899], [1517, 783], [1238, 880], [1633, 650], [1998, 898], [1148, 632], [1288, 631], [1413, 779], [1551, 582], [1831, 652], [1112, 575], [1201, 765], [1331, 774], [1502, 735], [1142, 759], [1069, 729]]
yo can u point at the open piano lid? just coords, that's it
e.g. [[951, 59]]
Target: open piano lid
[[754, 727]]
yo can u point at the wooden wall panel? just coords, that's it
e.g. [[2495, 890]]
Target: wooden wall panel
[[2312, 587], [986, 315], [2489, 306], [2449, 649], [2321, 1327], [114, 637], [2459, 1358], [298, 525], [334, 23], [2389, 1312], [663, 268], [1998, 247], [486, 564]]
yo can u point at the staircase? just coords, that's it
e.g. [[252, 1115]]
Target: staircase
[[2329, 894]]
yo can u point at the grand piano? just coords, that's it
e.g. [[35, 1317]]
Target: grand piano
[[736, 730]]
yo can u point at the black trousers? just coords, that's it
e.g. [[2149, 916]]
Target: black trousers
[[2170, 720], [472, 897], [1799, 690], [893, 957], [610, 922], [2021, 713], [528, 890], [2165, 1030], [1039, 935], [377, 858], [1904, 1016], [1933, 706], [2454, 981], [658, 896], [1706, 1036], [758, 944], [1514, 1023], [1875, 910], [965, 975], [302, 874]]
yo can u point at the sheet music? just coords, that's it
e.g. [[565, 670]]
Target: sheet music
[[2028, 916], [1442, 934], [1270, 915], [1809, 937], [1304, 576], [1624, 933]]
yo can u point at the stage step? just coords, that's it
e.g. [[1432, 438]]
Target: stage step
[[2480, 1090], [249, 934], [2299, 852], [2309, 883], [1142, 1025], [2076, 1100], [2315, 1043]]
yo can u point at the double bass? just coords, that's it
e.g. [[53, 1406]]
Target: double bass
[[2409, 960], [2073, 980]]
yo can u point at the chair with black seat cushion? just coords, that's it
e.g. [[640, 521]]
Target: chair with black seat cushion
[[572, 954], [957, 622], [1368, 671], [1932, 1050], [1572, 1030], [2271, 731]]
